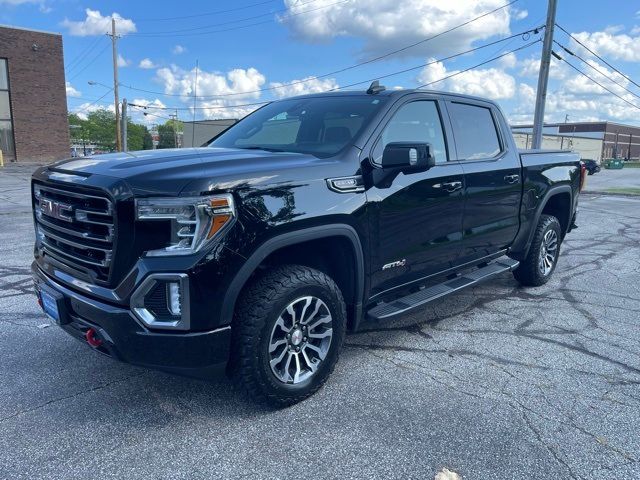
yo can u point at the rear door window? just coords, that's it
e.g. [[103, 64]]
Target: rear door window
[[475, 131]]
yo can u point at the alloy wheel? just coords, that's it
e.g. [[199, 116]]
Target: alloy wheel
[[300, 340], [548, 252]]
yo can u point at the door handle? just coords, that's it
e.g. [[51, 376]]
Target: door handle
[[449, 186], [512, 179]]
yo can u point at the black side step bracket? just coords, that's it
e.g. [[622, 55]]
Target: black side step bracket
[[413, 300]]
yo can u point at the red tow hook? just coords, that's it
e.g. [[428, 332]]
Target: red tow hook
[[92, 339]]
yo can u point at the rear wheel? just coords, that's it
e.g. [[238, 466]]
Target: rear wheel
[[541, 261], [288, 332]]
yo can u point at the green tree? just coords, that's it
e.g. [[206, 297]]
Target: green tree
[[99, 128], [167, 133], [138, 137], [147, 141]]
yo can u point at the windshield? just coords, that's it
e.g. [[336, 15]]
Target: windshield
[[320, 126]]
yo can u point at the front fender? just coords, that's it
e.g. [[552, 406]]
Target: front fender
[[291, 238]]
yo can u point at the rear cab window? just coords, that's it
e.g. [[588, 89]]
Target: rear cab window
[[475, 131]]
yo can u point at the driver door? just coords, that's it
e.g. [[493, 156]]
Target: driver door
[[416, 223]]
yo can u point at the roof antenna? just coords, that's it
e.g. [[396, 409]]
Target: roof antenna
[[375, 87]]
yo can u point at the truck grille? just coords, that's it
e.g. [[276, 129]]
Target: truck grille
[[76, 228]]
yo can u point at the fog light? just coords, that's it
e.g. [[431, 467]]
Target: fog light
[[174, 300], [162, 301]]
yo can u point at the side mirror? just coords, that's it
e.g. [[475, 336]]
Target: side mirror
[[408, 157]]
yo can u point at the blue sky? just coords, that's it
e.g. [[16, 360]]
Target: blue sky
[[246, 46]]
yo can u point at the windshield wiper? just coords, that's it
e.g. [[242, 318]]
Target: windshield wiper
[[258, 147]]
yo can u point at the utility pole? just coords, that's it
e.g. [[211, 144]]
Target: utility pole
[[195, 105], [543, 76], [116, 99], [175, 127], [125, 146]]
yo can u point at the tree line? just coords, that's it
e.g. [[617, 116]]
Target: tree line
[[99, 128]]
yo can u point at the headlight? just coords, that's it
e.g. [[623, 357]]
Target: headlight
[[195, 221]]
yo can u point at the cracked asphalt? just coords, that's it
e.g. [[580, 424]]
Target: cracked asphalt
[[496, 382]]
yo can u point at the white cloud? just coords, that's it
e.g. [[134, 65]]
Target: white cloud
[[384, 25], [178, 81], [86, 108], [530, 67], [153, 115], [611, 44], [578, 97], [123, 62], [581, 84], [520, 14], [233, 85], [178, 50], [493, 83], [303, 86], [96, 24], [71, 91], [508, 61], [526, 99], [147, 64], [148, 103]]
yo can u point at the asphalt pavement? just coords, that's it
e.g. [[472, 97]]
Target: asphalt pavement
[[617, 180], [496, 382]]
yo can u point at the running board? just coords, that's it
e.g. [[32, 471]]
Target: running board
[[413, 300]]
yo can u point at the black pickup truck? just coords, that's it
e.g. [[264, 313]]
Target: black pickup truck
[[256, 254]]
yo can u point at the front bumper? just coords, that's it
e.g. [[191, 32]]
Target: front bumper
[[124, 338]]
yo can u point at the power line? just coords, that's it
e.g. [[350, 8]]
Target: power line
[[81, 99], [596, 69], [598, 56], [81, 56], [172, 117], [421, 86], [341, 70], [91, 62], [198, 108], [433, 62], [179, 33], [480, 64], [596, 82], [398, 72], [206, 14], [85, 109]]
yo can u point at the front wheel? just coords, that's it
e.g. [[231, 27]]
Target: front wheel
[[288, 333], [541, 261]]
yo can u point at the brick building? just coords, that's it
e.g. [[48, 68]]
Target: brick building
[[33, 100]]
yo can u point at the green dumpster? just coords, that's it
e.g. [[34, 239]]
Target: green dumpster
[[614, 163]]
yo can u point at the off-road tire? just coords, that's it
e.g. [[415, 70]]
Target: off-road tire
[[258, 309], [528, 272]]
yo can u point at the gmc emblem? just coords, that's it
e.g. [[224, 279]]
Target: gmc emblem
[[59, 210]]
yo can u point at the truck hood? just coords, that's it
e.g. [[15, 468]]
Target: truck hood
[[169, 171]]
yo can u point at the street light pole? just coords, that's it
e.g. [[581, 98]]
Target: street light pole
[[543, 76]]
